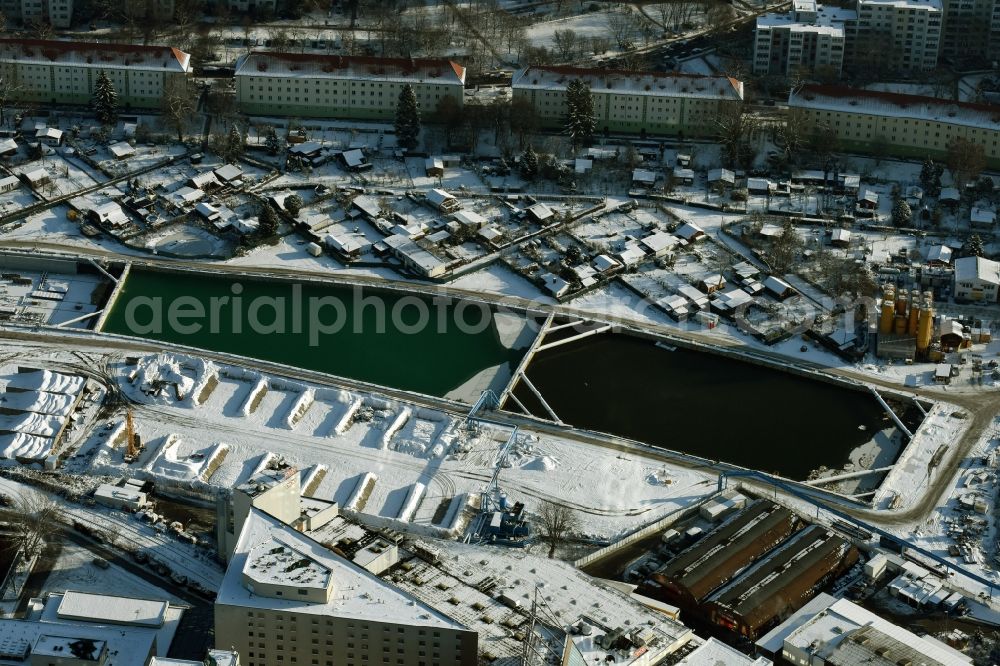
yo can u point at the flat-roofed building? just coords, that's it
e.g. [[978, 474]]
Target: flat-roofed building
[[810, 37], [633, 102], [288, 599], [904, 125], [906, 33], [320, 86], [54, 72]]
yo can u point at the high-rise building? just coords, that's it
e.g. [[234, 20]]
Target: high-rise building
[[906, 34], [811, 37], [287, 599]]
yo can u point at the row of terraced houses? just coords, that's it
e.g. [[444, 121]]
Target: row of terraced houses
[[272, 84]]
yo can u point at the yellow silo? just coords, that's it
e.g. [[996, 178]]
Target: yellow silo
[[915, 307], [901, 302], [888, 309], [925, 327]]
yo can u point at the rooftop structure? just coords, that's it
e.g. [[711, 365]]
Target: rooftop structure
[[714, 652]]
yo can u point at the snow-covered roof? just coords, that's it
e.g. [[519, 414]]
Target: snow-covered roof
[[187, 195], [345, 244], [37, 175], [659, 240], [463, 567], [690, 231], [111, 213], [307, 65], [20, 638], [555, 284], [121, 150], [48, 133], [109, 609], [977, 268], [437, 197], [357, 593], [941, 253], [724, 175], [469, 218], [602, 81], [841, 236], [353, 158], [776, 285], [94, 55], [228, 172], [643, 176], [949, 194], [405, 246], [541, 211], [7, 146], [929, 5], [716, 653], [603, 262], [828, 20], [982, 216], [734, 298], [841, 617], [895, 105]]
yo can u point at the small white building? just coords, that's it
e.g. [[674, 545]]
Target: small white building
[[691, 232], [603, 263], [659, 243], [683, 176], [414, 257], [723, 177], [38, 177], [443, 201], [976, 279], [121, 150], [205, 180], [982, 217], [470, 219], [643, 177], [8, 147], [110, 213], [50, 136], [9, 183], [118, 497], [554, 284], [229, 173], [541, 213], [939, 255]]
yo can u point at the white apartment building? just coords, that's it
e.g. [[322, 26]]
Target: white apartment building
[[976, 279], [633, 102], [287, 599], [908, 32], [55, 72], [57, 13], [904, 125], [318, 86], [811, 37]]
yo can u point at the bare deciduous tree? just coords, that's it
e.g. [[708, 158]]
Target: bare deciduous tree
[[33, 520], [556, 523], [179, 103]]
